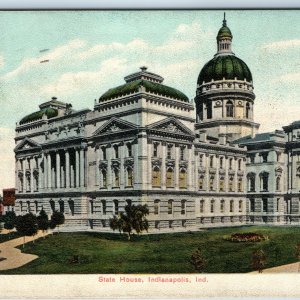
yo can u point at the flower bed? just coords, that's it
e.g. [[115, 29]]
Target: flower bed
[[246, 237]]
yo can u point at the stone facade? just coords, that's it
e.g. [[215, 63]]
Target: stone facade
[[144, 143]]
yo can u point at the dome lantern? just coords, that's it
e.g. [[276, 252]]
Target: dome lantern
[[224, 39]]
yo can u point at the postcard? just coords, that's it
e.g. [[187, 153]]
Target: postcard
[[150, 153]]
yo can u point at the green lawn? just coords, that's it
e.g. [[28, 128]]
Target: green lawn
[[165, 253]]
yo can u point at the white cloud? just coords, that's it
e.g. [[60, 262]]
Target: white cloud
[[2, 61], [290, 77], [281, 45], [7, 165]]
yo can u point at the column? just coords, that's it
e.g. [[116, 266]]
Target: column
[[81, 164], [97, 166], [40, 176], [163, 166], [45, 170], [123, 173], [49, 171], [67, 159], [57, 170], [24, 175], [77, 167], [176, 169]]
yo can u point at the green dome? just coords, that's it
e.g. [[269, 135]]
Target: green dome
[[224, 66], [49, 112], [224, 32], [151, 87]]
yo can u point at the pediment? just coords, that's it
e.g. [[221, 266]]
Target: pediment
[[170, 125], [114, 125], [27, 144]]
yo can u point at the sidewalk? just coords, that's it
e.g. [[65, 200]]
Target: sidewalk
[[14, 258], [290, 268]]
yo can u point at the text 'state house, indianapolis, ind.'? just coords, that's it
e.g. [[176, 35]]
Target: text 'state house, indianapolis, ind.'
[[195, 166]]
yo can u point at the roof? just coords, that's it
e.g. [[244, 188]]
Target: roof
[[151, 87], [258, 138], [49, 112], [225, 66], [224, 32]]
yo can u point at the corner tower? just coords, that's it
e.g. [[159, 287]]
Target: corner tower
[[224, 97]]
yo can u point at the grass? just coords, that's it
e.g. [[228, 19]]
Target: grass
[[165, 253]]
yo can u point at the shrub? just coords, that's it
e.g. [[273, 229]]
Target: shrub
[[246, 237]]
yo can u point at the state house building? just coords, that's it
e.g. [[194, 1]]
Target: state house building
[[195, 166]]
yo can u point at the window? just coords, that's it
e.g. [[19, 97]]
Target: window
[[116, 150], [117, 177], [230, 184], [251, 182], [211, 183], [201, 160], [222, 206], [278, 205], [221, 162], [129, 177], [252, 158], [222, 184], [201, 206], [264, 181], [230, 163], [156, 176], [247, 110], [211, 161], [212, 206], [265, 157], [278, 183], [209, 110], [103, 203], [129, 150], [170, 207], [240, 206], [183, 204], [156, 207], [169, 152], [229, 109], [91, 206], [116, 207], [170, 177], [155, 150], [265, 204], [182, 179], [239, 164], [240, 185], [252, 205], [104, 179], [61, 206], [231, 208], [104, 153], [201, 182], [182, 150]]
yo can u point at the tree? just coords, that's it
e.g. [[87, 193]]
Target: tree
[[57, 219], [27, 225], [9, 220], [43, 221], [198, 261], [133, 219], [258, 260]]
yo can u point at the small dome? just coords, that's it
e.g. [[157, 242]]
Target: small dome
[[224, 32], [224, 66], [38, 115]]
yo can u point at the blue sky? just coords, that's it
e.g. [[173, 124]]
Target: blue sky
[[92, 51]]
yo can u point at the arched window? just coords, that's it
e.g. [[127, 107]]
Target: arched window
[[116, 207], [201, 182], [182, 179], [231, 206], [117, 177], [247, 110], [170, 207], [183, 207], [222, 184], [129, 177], [201, 206], [240, 206], [278, 183], [156, 180], [170, 177], [156, 206], [104, 179], [229, 109], [212, 206], [222, 206]]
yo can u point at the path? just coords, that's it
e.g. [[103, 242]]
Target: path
[[14, 257], [289, 268]]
